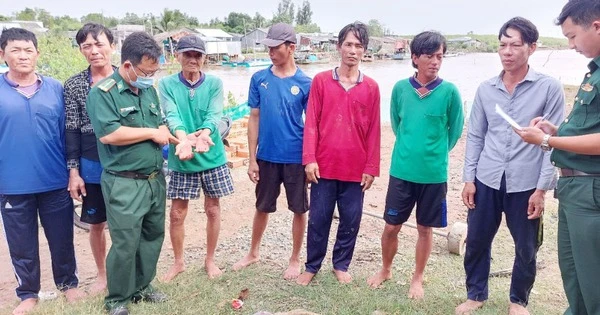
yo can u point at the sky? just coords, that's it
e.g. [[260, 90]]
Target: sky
[[401, 17]]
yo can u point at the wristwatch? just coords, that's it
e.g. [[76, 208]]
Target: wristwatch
[[545, 145]]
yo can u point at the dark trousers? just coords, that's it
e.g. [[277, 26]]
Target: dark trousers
[[483, 222], [20, 221], [323, 198]]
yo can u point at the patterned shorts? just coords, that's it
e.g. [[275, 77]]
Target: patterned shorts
[[216, 183]]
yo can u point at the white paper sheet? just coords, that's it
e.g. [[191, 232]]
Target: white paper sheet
[[505, 116]]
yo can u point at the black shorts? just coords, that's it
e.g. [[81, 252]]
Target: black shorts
[[430, 199], [93, 210], [271, 176]]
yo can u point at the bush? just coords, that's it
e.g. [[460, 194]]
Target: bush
[[58, 58]]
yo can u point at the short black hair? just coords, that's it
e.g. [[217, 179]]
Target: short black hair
[[137, 45], [427, 43], [17, 33], [528, 31], [95, 30], [582, 12], [359, 29]]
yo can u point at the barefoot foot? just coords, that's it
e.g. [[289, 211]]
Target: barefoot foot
[[517, 309], [377, 279], [468, 307], [25, 306], [212, 270], [176, 269], [73, 295], [416, 291], [305, 278], [343, 277], [245, 262], [98, 287], [293, 270]]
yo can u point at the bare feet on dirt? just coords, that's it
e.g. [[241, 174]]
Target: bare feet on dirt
[[416, 291], [380, 277], [98, 287], [517, 309], [245, 262], [467, 307], [212, 270], [176, 269], [74, 294], [293, 270], [305, 278], [343, 277], [25, 306]]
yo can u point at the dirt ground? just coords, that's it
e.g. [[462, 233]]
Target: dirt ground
[[236, 218]]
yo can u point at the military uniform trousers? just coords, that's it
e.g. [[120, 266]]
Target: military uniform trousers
[[135, 212]]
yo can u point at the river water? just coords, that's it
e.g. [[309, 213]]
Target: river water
[[466, 71]]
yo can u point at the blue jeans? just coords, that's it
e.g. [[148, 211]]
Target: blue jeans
[[323, 198]]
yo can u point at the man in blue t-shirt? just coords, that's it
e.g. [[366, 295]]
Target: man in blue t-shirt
[[33, 172], [278, 97]]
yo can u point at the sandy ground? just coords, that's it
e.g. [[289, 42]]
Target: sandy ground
[[237, 212]]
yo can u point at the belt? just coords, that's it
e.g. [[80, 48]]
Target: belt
[[134, 175], [568, 172]]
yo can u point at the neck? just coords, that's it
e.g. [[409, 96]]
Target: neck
[[103, 71], [192, 76], [286, 69], [512, 77], [345, 71], [24, 79], [424, 79]]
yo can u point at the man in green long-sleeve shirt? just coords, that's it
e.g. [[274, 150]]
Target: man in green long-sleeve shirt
[[193, 104], [427, 119]]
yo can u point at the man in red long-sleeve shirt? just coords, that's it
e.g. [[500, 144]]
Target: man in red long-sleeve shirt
[[342, 137]]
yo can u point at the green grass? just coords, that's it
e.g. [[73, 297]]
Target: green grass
[[193, 293]]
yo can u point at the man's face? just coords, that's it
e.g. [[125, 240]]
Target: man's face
[[429, 65], [21, 56], [281, 54], [514, 53], [97, 52], [191, 61], [147, 68], [351, 50], [585, 40]]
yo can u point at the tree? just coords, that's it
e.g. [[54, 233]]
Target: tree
[[238, 22], [259, 20], [132, 18], [170, 20], [65, 23], [28, 14], [4, 18], [375, 28], [58, 57], [285, 12], [308, 28], [304, 16]]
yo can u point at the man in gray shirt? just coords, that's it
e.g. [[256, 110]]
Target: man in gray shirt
[[504, 174]]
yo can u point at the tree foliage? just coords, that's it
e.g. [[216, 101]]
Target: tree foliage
[[304, 16], [375, 28], [307, 28], [285, 12], [59, 58]]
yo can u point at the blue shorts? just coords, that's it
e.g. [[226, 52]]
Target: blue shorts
[[430, 199], [216, 183]]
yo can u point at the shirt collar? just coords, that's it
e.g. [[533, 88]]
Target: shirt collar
[[337, 77], [531, 76], [594, 64], [121, 84], [15, 84], [187, 83]]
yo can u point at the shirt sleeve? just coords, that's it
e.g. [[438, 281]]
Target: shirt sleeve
[[169, 108], [215, 107], [104, 116], [374, 135], [253, 94], [555, 109], [311, 129], [476, 132], [72, 126], [395, 108], [455, 119]]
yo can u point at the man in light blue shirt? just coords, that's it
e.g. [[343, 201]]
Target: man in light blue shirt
[[504, 174]]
